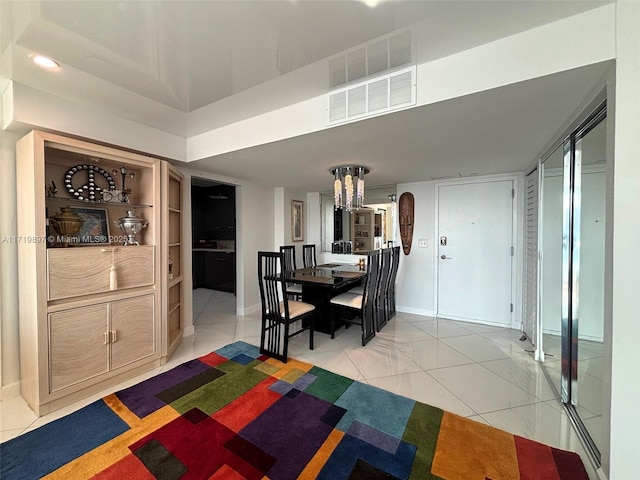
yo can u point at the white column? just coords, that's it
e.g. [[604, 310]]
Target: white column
[[625, 328]]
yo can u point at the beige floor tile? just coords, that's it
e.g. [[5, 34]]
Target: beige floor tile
[[422, 387], [481, 389]]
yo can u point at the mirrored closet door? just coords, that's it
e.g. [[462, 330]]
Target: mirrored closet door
[[572, 253]]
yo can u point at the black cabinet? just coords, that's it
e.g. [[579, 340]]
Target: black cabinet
[[213, 208], [215, 270], [198, 206], [199, 259]]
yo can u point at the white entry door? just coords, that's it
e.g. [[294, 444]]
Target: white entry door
[[474, 263]]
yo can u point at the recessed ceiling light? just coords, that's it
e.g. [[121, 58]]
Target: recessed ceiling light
[[45, 62]]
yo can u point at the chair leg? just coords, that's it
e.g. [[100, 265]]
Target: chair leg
[[285, 340], [311, 329]]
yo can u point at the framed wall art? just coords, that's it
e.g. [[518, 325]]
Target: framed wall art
[[297, 220], [95, 229]]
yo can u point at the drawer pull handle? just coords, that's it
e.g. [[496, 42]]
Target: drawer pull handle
[[114, 337], [107, 250], [106, 338]]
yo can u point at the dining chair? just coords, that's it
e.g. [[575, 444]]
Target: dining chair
[[382, 300], [278, 312], [294, 290], [391, 285], [309, 255], [363, 307]]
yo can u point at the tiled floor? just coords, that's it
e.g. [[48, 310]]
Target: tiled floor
[[590, 378], [477, 371]]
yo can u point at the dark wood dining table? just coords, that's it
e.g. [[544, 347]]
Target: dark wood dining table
[[323, 282]]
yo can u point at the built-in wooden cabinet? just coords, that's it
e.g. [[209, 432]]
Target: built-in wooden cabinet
[[94, 311], [173, 266], [113, 335]]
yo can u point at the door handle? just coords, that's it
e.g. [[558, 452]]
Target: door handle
[[444, 257]]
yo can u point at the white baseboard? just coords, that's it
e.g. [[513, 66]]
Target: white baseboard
[[10, 391], [189, 331], [415, 311], [243, 312]]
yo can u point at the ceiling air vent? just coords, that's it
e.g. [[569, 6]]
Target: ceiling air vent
[[356, 64], [380, 95], [378, 57], [337, 71], [373, 58], [400, 91], [400, 49], [337, 106], [357, 101]]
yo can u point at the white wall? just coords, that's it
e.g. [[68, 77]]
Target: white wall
[[314, 221], [29, 109], [620, 458], [282, 222], [414, 284], [530, 54], [9, 328], [255, 231]]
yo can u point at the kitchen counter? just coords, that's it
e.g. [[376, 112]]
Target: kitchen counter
[[211, 249]]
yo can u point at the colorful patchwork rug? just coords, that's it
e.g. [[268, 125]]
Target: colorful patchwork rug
[[236, 414]]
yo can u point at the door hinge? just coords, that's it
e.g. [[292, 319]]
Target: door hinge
[[512, 251], [511, 307], [513, 193]]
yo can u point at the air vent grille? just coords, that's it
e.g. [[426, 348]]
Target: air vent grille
[[377, 57], [337, 71], [380, 95], [400, 49], [357, 64], [391, 52], [357, 101], [400, 88]]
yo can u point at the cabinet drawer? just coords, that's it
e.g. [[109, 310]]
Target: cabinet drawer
[[75, 272]]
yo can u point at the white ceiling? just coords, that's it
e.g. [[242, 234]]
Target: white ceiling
[[188, 54]]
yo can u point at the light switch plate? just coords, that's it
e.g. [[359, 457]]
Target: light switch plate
[[422, 243]]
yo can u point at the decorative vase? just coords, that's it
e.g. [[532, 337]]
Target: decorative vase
[[131, 225], [66, 223]]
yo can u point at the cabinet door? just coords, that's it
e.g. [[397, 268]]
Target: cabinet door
[[227, 213], [227, 281], [212, 268], [199, 269], [132, 330], [78, 348]]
